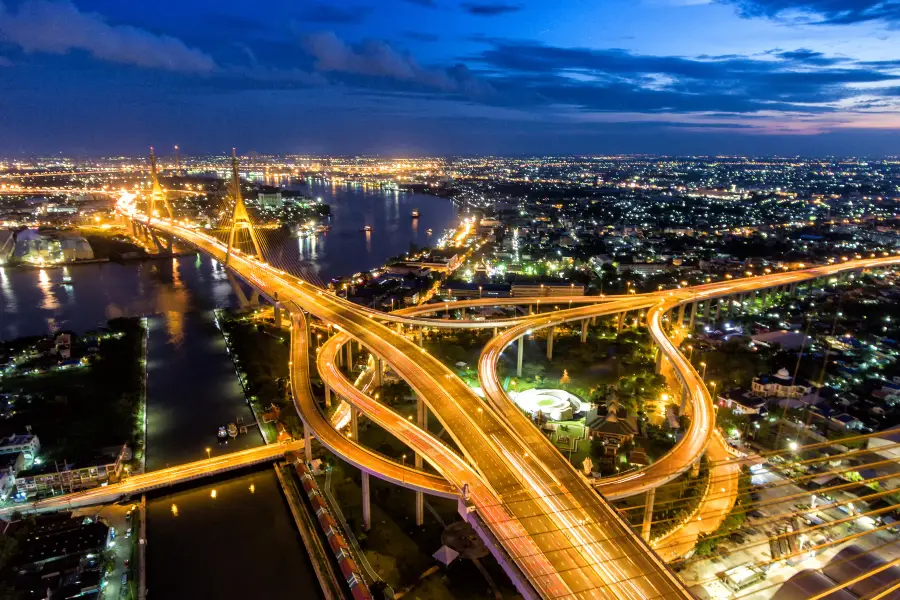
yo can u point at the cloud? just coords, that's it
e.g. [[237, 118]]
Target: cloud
[[59, 27], [336, 15], [5, 62], [378, 59], [826, 12], [489, 9]]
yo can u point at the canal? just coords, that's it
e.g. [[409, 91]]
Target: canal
[[242, 543]]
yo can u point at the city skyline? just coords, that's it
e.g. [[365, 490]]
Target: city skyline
[[434, 77]]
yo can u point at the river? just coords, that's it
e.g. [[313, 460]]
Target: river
[[241, 544]]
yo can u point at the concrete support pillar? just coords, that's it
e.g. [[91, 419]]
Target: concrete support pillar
[[706, 306], [243, 302], [620, 323], [277, 309], [695, 469], [584, 330], [659, 360], [366, 502], [521, 345], [684, 397], [422, 421], [680, 320], [420, 509], [793, 290], [550, 343], [765, 299], [354, 422], [307, 442], [693, 316], [254, 298], [421, 413], [379, 372], [327, 396], [349, 347], [718, 309], [743, 298], [648, 514]]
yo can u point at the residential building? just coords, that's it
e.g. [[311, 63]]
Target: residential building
[[781, 385], [27, 444]]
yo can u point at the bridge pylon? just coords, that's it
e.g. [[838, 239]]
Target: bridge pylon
[[240, 219], [157, 194]]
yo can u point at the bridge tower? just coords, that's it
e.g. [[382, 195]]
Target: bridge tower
[[157, 193], [239, 217]]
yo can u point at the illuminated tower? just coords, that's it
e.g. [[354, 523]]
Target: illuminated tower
[[157, 194], [239, 217]]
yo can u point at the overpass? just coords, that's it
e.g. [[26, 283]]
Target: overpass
[[145, 482], [564, 539], [555, 536]]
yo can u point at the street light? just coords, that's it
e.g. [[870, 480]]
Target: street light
[[703, 364], [404, 459], [208, 456], [690, 352]]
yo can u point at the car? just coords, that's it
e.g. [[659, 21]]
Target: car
[[758, 514], [128, 533], [736, 538], [128, 515], [127, 562]]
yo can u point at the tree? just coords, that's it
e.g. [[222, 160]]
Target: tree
[[565, 379], [9, 549]]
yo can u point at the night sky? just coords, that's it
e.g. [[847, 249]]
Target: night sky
[[451, 77]]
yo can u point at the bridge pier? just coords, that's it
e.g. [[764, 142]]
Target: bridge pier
[[718, 309], [327, 396], [693, 317], [379, 372], [349, 347], [684, 397], [366, 502], [584, 330], [521, 345], [648, 514], [254, 298], [243, 302], [422, 420], [307, 442], [354, 422], [550, 343], [659, 360], [620, 323], [793, 290], [681, 310]]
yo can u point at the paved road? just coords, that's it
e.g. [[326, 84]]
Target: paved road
[[567, 540]]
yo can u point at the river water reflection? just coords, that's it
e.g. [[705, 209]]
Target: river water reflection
[[239, 545]]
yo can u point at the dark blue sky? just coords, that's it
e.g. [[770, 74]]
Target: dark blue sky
[[451, 76]]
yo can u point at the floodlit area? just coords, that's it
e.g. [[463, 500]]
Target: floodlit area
[[555, 405]]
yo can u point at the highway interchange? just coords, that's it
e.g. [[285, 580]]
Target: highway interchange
[[557, 537]]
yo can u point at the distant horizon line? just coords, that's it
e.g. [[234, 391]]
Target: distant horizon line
[[252, 154]]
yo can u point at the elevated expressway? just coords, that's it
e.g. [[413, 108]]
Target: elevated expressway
[[660, 306], [556, 537], [553, 531]]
